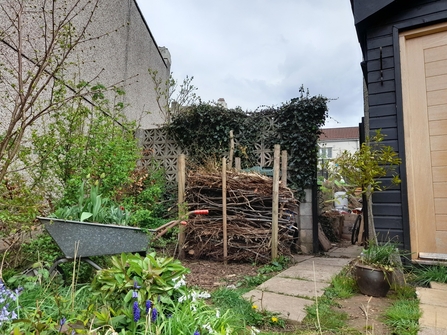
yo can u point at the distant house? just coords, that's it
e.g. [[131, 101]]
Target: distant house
[[334, 141], [404, 46]]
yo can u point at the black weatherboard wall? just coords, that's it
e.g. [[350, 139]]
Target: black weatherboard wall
[[378, 24]]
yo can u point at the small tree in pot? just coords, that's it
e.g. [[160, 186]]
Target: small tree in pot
[[365, 167]]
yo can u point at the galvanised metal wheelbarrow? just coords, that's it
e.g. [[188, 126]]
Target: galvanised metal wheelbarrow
[[81, 240]]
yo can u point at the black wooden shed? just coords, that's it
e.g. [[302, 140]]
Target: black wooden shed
[[404, 47]]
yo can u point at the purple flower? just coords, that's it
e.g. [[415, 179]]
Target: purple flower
[[196, 332], [134, 294], [154, 314], [136, 311], [148, 305], [63, 320], [135, 285]]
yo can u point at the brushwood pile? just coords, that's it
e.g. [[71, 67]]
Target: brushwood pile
[[249, 217]]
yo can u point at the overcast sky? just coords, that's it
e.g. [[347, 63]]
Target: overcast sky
[[259, 52]]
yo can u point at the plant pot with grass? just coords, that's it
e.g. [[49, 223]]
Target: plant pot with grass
[[374, 269]]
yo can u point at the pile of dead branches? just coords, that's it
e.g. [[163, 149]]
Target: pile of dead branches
[[249, 217]]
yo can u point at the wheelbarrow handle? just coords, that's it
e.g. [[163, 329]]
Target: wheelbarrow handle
[[160, 231], [200, 212]]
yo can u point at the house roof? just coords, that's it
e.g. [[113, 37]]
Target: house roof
[[343, 133]]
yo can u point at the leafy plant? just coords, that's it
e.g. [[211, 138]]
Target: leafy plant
[[276, 265], [385, 256], [365, 167], [79, 141], [93, 208], [150, 276], [19, 205], [425, 274]]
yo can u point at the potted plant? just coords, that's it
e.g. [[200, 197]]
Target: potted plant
[[375, 267], [364, 169]]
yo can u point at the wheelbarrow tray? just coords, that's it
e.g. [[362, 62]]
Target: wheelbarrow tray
[[94, 239]]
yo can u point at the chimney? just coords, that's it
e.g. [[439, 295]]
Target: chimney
[[221, 102]]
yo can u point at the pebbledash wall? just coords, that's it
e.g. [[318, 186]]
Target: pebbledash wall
[[126, 54], [159, 147], [122, 55]]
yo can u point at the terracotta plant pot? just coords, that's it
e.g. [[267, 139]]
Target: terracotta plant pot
[[372, 281]]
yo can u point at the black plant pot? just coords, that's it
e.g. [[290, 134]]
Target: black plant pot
[[372, 281]]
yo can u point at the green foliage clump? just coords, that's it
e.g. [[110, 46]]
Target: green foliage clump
[[80, 141], [385, 256], [152, 275], [425, 274], [343, 285], [19, 206], [146, 196], [366, 166], [403, 316], [245, 311], [203, 131], [93, 208]]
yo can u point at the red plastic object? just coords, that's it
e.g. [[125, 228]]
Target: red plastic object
[[201, 212]]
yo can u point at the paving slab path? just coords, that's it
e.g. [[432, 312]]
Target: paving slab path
[[289, 292], [433, 304]]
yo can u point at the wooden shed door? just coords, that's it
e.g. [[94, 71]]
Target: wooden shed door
[[424, 93]]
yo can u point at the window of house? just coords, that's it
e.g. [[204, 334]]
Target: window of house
[[325, 152]]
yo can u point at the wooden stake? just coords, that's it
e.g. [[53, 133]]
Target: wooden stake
[[284, 168], [181, 180], [224, 208], [275, 202], [230, 157], [237, 164]]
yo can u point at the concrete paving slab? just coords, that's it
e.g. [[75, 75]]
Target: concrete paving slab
[[432, 331], [438, 286], [301, 258], [433, 316], [341, 262], [312, 271], [291, 308], [432, 296], [351, 252], [319, 275], [293, 287]]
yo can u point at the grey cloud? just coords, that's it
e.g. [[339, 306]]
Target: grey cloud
[[255, 52]]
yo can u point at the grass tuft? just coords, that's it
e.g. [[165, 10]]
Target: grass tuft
[[403, 317], [425, 274]]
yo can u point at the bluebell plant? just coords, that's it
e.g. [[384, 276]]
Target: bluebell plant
[[9, 303]]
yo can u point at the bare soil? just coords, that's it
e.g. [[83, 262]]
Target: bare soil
[[364, 312]]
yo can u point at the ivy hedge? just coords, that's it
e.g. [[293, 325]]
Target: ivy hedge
[[203, 131]]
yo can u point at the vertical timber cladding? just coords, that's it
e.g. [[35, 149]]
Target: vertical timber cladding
[[380, 77], [424, 94]]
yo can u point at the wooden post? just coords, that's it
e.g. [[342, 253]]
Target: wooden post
[[275, 202], [284, 168], [181, 180], [224, 208], [230, 157], [237, 163]]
